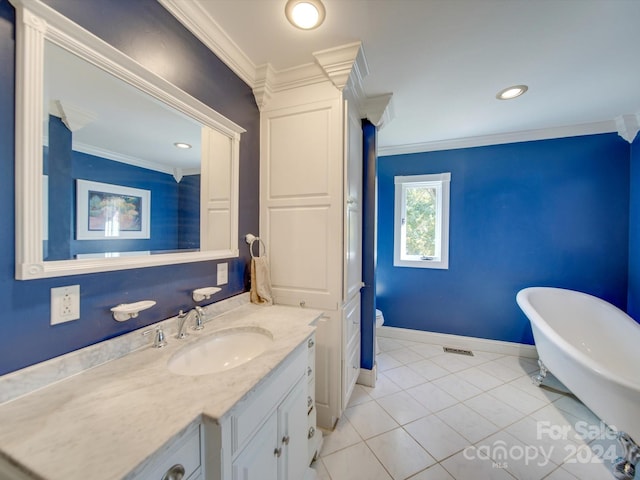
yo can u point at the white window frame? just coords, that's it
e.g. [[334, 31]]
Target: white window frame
[[441, 182]]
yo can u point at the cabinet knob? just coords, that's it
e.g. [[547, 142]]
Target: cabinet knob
[[303, 303], [311, 343], [285, 440], [312, 432], [309, 401], [277, 452], [309, 371], [174, 473]]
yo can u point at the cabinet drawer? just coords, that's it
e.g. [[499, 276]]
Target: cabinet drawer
[[251, 413], [311, 396], [184, 452], [311, 359], [313, 436], [352, 321], [351, 372]]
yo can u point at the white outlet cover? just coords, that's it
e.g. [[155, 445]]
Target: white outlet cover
[[223, 273], [65, 304]]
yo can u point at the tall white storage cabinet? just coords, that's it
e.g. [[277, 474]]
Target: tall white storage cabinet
[[311, 217]]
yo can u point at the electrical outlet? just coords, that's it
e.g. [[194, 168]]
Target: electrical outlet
[[65, 304], [223, 273]]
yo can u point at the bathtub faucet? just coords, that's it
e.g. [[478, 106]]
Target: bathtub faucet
[[197, 313]]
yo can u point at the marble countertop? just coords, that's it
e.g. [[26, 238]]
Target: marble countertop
[[106, 421]]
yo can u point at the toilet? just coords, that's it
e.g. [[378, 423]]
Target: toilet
[[379, 323]]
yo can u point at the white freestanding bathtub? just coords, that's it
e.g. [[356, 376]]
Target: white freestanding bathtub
[[593, 348]]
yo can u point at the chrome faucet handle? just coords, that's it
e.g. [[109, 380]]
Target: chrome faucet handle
[[199, 325], [159, 341]]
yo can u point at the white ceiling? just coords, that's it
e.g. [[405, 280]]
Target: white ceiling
[[444, 61]]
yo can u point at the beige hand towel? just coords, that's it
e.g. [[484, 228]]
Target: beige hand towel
[[260, 281]]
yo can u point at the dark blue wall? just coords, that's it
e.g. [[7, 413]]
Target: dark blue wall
[[369, 225], [58, 165], [165, 203], [189, 212], [148, 33], [175, 207], [633, 300], [552, 212]]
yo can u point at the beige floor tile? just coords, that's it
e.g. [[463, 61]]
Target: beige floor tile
[[370, 419], [403, 407], [467, 422], [400, 454], [342, 436], [436, 437], [355, 463], [432, 397], [435, 472]]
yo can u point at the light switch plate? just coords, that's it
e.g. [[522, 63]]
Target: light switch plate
[[65, 304], [223, 273]]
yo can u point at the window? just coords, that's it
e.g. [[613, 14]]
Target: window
[[421, 221]]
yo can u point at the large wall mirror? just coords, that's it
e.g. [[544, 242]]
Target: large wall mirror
[[115, 167]]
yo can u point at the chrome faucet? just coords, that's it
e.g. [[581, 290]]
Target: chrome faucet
[[198, 313]]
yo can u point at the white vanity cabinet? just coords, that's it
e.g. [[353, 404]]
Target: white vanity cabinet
[[311, 222], [279, 450], [180, 457], [266, 435]]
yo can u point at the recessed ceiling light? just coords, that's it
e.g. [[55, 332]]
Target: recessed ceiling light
[[305, 14], [511, 92], [182, 145]]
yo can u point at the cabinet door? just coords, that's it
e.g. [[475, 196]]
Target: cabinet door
[[353, 203], [292, 419], [301, 192], [259, 459]]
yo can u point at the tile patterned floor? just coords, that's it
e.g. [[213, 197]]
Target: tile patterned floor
[[444, 416]]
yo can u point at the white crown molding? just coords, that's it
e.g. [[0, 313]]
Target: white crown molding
[[339, 62], [379, 110], [127, 159], [122, 158], [628, 126], [196, 19], [74, 118], [498, 139], [345, 65], [263, 85]]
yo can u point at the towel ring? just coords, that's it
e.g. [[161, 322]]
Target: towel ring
[[260, 243]]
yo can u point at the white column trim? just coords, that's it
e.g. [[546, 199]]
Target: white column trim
[[628, 126]]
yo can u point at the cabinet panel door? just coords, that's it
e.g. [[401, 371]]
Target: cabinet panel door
[[258, 460], [301, 197], [292, 417], [353, 208]]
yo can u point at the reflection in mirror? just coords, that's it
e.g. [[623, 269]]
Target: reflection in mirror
[[104, 132], [97, 161]]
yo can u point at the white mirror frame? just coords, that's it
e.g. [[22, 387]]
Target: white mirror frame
[[35, 23]]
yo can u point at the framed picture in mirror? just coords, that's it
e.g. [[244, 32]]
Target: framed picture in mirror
[[106, 211]]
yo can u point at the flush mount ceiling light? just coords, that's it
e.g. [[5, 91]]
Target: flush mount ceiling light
[[305, 14], [511, 92], [182, 145]]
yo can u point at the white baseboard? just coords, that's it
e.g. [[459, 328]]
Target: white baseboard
[[368, 377], [459, 341]]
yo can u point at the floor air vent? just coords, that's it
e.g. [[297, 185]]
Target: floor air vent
[[459, 351]]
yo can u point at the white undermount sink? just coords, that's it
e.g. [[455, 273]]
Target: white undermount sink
[[223, 350]]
